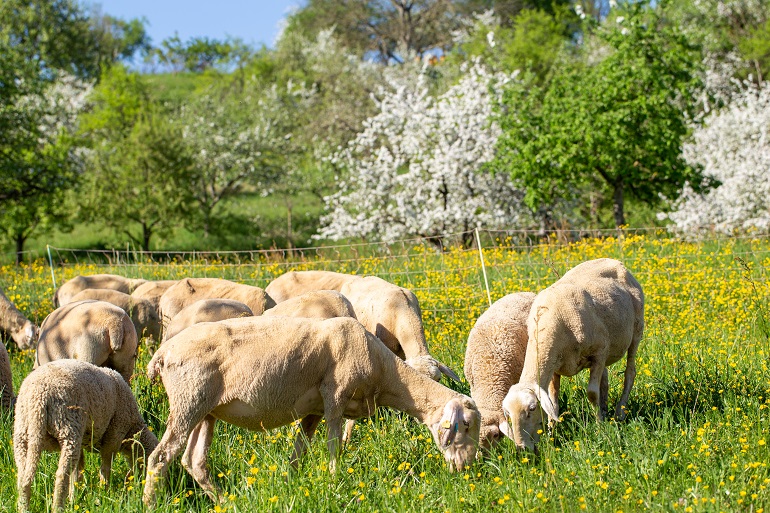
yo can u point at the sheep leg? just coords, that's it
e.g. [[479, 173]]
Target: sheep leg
[[194, 459], [594, 386], [334, 428], [27, 454], [105, 469], [179, 428], [348, 433], [628, 382], [553, 393], [604, 390], [309, 424], [68, 463]]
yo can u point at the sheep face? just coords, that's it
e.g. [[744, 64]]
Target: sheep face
[[522, 409], [26, 338], [457, 432]]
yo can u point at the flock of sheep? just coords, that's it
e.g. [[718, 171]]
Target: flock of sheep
[[313, 345]]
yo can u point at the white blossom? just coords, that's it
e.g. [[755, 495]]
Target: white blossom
[[414, 169]]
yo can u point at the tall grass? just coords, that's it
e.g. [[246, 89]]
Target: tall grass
[[696, 438]]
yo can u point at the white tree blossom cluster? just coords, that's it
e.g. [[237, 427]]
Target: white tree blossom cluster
[[414, 169], [733, 146], [58, 107]]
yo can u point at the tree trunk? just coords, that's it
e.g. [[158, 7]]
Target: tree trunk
[[617, 205], [146, 234], [20, 240]]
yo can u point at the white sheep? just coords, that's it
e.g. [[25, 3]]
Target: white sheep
[[12, 321], [390, 312], [143, 314], [6, 380], [64, 294], [68, 405], [91, 331], [206, 310], [317, 304], [260, 373], [589, 318], [152, 291], [494, 357], [190, 290]]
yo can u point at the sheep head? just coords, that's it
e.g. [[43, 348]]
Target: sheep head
[[523, 407], [26, 338], [457, 432]]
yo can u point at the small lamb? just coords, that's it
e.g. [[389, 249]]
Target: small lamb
[[12, 321], [260, 373], [494, 357], [91, 331], [206, 310], [152, 291], [68, 405], [390, 312], [589, 318], [143, 314], [190, 290], [64, 294]]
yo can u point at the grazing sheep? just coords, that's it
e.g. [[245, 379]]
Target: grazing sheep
[[152, 291], [190, 290], [64, 294], [143, 314], [260, 373], [206, 310], [91, 331], [494, 358], [390, 312], [318, 304], [69, 405], [589, 318], [6, 380], [12, 321]]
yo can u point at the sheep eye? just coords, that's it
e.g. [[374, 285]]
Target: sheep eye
[[532, 407], [466, 423]]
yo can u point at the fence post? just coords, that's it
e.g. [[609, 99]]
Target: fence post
[[50, 262], [483, 266]]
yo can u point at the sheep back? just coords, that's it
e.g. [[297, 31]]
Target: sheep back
[[64, 294], [206, 310], [318, 304], [152, 291], [296, 283], [143, 314]]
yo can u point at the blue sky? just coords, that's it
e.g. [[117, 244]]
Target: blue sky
[[255, 21]]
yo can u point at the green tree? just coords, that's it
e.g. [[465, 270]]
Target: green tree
[[614, 124], [139, 168]]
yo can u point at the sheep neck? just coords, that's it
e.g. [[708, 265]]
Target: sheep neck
[[414, 394]]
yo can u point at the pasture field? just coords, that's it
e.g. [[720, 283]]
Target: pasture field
[[697, 437]]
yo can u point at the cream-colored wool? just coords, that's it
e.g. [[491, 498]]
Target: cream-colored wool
[[589, 318], [23, 331], [143, 314], [261, 373], [390, 312], [152, 291], [69, 405], [206, 310], [494, 357], [190, 290], [317, 304], [65, 293], [91, 331]]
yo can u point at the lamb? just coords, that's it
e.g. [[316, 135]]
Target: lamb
[[6, 380], [494, 358], [189, 290], [64, 294], [23, 331], [68, 405], [589, 318], [152, 291], [143, 314], [260, 373], [206, 310], [318, 304], [91, 331], [390, 312]]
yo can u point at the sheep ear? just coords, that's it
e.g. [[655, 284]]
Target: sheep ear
[[189, 285], [505, 429], [449, 424], [548, 407], [448, 372]]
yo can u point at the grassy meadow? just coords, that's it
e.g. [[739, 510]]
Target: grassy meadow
[[696, 438]]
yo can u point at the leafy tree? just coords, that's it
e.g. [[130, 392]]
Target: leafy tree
[[733, 146], [198, 54], [117, 39], [139, 168], [615, 125], [413, 169]]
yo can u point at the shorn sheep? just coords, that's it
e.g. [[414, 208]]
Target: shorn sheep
[[152, 291], [69, 405], [494, 357], [260, 373], [190, 290], [206, 310], [390, 312], [143, 314], [589, 318], [91, 331], [318, 304], [23, 331], [64, 294]]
